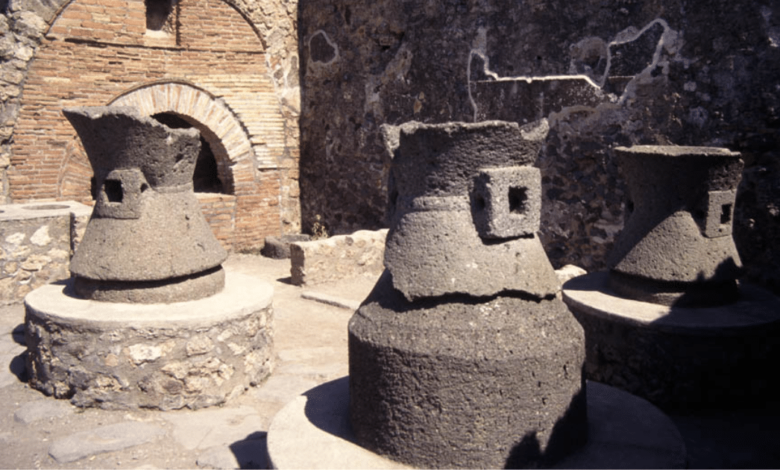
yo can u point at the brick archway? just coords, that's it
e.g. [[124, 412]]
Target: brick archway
[[216, 122], [223, 88]]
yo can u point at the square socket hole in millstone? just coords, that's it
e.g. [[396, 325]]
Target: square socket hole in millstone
[[720, 213], [120, 194], [507, 202]]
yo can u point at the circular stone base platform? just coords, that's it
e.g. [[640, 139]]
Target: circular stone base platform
[[165, 356], [624, 431], [676, 357]]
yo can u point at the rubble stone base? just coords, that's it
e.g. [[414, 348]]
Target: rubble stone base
[[677, 357], [163, 356]]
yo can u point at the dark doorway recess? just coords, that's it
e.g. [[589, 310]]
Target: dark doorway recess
[[206, 177]]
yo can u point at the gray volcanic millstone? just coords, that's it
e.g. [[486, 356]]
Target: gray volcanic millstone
[[463, 356], [464, 210], [677, 240], [147, 240]]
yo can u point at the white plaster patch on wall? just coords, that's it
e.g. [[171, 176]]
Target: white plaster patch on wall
[[670, 41], [318, 37]]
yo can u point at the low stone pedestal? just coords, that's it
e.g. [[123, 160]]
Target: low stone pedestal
[[682, 358], [624, 431], [166, 356], [36, 242]]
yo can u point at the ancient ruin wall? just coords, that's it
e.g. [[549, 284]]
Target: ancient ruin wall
[[240, 55], [604, 73]]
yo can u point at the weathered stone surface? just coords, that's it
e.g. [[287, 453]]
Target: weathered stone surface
[[677, 245], [219, 427], [624, 431], [677, 357], [569, 272], [36, 241], [103, 439], [464, 210], [512, 202], [466, 383], [147, 224], [435, 253], [319, 420], [468, 299], [279, 247], [603, 74], [195, 286], [338, 257], [42, 409], [441, 159], [167, 356]]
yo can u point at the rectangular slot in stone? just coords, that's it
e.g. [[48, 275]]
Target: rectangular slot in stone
[[113, 190], [720, 213], [506, 202]]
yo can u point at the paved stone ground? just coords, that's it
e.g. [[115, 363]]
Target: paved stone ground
[[311, 344]]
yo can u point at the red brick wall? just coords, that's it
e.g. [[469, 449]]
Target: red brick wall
[[97, 50], [220, 212]]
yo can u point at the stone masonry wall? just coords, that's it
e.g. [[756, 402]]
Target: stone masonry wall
[[340, 257], [36, 244], [89, 52], [603, 73]]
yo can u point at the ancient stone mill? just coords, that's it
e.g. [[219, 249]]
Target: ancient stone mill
[[464, 354], [669, 321], [150, 318]]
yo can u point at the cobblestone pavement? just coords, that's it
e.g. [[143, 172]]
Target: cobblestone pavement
[[311, 346]]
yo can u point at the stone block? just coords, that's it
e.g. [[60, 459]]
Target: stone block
[[279, 247], [507, 202], [36, 242], [338, 257]]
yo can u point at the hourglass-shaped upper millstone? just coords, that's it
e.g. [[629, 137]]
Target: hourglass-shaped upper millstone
[[147, 224], [682, 208], [464, 208]]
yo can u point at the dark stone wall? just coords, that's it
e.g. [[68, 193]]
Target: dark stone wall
[[603, 73]]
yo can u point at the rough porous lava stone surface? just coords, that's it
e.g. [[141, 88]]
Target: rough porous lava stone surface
[[147, 225], [466, 382], [678, 234]]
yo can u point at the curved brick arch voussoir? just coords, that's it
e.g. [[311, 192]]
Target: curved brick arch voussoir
[[219, 125]]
